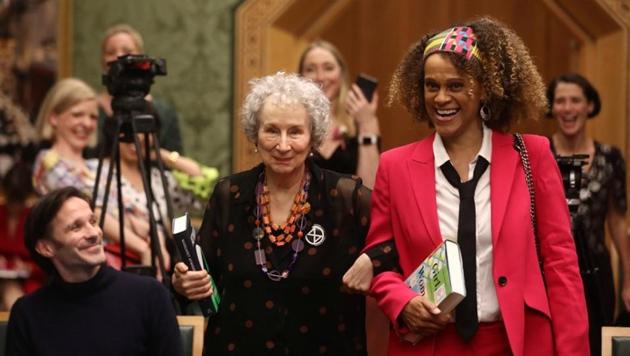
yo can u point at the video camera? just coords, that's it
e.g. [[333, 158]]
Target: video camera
[[571, 170], [132, 75], [128, 81]]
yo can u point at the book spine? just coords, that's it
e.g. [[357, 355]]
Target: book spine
[[186, 251], [209, 306]]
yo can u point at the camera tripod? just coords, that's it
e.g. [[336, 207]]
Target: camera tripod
[[127, 128], [128, 80]]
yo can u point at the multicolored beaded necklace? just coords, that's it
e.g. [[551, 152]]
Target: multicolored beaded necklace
[[282, 234]]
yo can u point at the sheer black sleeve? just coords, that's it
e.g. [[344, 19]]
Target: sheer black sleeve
[[215, 219], [618, 180], [384, 256]]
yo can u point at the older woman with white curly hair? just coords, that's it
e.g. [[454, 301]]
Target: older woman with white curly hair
[[279, 237]]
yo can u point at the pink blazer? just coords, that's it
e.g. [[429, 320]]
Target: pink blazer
[[538, 321]]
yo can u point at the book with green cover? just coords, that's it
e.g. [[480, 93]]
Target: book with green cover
[[191, 254], [440, 279]]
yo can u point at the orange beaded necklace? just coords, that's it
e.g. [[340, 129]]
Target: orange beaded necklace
[[282, 234]]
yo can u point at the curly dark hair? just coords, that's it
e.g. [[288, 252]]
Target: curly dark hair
[[514, 89]]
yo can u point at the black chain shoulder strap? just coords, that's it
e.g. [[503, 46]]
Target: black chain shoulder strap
[[519, 146]]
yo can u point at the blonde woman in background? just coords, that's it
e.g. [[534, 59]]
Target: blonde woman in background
[[67, 121], [352, 143]]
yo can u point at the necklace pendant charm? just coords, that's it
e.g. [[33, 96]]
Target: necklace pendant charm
[[274, 275], [316, 236], [297, 245], [260, 257], [258, 233]]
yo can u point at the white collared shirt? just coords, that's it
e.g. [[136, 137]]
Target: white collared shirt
[[448, 216]]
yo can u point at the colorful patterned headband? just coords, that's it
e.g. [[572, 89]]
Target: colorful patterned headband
[[461, 40]]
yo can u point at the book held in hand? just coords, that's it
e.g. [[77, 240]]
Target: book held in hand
[[440, 279], [191, 254]]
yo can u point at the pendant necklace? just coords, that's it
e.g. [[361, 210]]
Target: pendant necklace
[[292, 231]]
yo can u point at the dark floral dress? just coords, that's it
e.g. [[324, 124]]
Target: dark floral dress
[[603, 187], [306, 314]]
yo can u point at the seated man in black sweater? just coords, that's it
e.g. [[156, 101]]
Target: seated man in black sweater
[[88, 308]]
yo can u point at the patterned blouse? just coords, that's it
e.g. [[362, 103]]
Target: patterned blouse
[[183, 193], [306, 313], [51, 171], [603, 184]]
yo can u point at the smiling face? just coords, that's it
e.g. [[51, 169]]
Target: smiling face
[[74, 126], [284, 137], [570, 108], [452, 99], [75, 245], [321, 66], [117, 45]]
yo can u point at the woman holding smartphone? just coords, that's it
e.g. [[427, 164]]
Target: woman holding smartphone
[[352, 143]]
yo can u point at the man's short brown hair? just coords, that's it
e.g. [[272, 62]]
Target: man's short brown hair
[[38, 223]]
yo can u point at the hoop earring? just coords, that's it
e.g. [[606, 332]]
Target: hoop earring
[[485, 112]]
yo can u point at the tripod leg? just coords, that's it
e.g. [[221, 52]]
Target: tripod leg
[[155, 249], [114, 159], [108, 182], [99, 168], [121, 212], [167, 194]]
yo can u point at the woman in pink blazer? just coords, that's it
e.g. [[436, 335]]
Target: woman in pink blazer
[[470, 83]]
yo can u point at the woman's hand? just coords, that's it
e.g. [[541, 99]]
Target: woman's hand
[[359, 277], [363, 111], [194, 285], [138, 222], [165, 254], [423, 317]]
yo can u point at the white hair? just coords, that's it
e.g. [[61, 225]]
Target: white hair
[[286, 89]]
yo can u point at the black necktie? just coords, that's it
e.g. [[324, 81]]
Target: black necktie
[[466, 321]]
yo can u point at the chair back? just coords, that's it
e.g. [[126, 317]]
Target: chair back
[[191, 329], [4, 322], [615, 341]]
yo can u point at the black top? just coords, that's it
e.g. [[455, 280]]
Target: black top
[[603, 184], [114, 313], [307, 313], [345, 159]]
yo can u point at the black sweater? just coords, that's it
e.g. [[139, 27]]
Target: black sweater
[[114, 313]]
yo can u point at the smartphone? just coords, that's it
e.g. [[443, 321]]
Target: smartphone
[[367, 84]]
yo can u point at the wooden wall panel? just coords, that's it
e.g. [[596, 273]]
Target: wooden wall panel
[[389, 28], [375, 34], [610, 125]]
